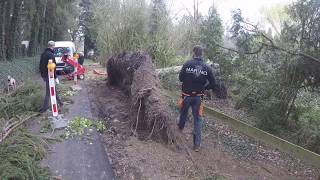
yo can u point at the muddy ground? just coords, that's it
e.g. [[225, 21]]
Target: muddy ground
[[225, 153]]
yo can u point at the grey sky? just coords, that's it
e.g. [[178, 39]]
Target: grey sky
[[250, 8]]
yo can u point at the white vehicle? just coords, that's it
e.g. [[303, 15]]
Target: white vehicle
[[61, 48]]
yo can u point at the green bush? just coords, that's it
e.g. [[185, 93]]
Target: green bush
[[307, 116], [270, 112], [310, 128]]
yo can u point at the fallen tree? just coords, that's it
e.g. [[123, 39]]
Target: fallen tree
[[136, 75]]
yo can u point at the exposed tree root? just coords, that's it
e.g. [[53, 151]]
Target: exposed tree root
[[136, 75]]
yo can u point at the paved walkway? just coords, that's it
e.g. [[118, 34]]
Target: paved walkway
[[78, 158]]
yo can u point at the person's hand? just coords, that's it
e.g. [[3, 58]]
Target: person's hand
[[57, 81]]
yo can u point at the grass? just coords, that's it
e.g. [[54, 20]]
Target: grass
[[20, 69]]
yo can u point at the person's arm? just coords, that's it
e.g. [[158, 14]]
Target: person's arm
[[211, 79], [43, 65], [40, 65], [182, 73]]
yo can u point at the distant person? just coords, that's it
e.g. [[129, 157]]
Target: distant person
[[44, 59], [81, 58], [66, 54], [194, 76]]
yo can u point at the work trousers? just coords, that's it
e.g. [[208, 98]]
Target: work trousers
[[45, 104], [194, 102]]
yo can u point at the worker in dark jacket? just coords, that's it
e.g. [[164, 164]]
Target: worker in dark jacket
[[44, 59], [194, 76], [81, 58]]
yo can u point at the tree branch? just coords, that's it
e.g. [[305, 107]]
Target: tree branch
[[10, 127], [291, 52], [273, 46]]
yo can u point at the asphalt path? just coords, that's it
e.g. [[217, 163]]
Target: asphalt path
[[79, 158]]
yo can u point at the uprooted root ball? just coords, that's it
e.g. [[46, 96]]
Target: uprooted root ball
[[150, 112]]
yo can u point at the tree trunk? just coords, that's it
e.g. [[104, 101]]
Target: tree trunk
[[8, 18], [43, 27], [34, 41], [3, 5], [13, 40]]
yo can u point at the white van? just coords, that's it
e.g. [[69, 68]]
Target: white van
[[60, 48]]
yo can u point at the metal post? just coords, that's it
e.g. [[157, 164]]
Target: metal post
[[75, 77]]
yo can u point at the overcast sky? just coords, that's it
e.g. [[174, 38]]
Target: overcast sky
[[250, 8]]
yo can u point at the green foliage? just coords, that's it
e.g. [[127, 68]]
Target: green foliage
[[133, 26], [26, 98], [124, 28], [36, 21], [137, 26], [211, 33], [20, 155], [21, 151], [46, 127], [270, 74], [270, 114], [161, 46], [50, 20], [162, 52], [306, 113], [78, 126], [88, 25]]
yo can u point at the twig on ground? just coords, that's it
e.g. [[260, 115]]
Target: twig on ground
[[154, 124], [53, 129], [13, 126], [137, 121]]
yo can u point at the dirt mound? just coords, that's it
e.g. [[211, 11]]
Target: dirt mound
[[151, 116]]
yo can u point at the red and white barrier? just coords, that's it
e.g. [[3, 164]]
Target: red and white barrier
[[53, 98], [75, 74]]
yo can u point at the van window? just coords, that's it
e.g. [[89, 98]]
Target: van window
[[60, 51]]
